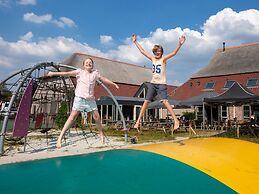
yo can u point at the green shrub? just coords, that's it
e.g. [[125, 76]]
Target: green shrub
[[62, 114], [189, 116], [79, 122], [5, 94]]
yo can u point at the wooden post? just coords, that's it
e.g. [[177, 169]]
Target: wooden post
[[191, 130], [238, 126]]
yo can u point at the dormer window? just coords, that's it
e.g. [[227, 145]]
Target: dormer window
[[210, 85], [251, 82], [229, 83]]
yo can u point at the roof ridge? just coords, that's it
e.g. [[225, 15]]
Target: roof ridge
[[245, 89], [241, 86], [238, 46], [111, 60]]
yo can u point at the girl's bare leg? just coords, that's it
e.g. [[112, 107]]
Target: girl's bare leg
[[97, 120], [142, 111], [170, 109], [72, 117]]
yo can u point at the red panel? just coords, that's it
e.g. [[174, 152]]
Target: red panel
[[21, 122]]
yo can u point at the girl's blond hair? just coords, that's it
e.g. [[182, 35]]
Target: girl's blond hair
[[90, 59]]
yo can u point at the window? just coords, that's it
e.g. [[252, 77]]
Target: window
[[210, 85], [246, 111], [251, 82], [199, 113], [229, 83], [224, 112], [142, 94]]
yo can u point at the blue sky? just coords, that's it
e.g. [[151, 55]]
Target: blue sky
[[35, 31]]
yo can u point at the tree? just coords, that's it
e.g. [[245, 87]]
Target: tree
[[190, 117], [5, 94], [62, 114]]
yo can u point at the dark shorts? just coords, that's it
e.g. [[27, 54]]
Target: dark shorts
[[154, 90]]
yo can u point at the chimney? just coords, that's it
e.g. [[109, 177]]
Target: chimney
[[224, 46]]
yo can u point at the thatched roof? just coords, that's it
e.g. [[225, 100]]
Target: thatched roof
[[116, 71], [234, 60]]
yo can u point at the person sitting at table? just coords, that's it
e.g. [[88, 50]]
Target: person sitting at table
[[253, 121]]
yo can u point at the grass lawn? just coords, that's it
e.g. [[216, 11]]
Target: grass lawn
[[158, 135], [150, 135]]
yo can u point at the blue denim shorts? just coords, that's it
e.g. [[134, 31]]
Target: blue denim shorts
[[154, 90], [84, 105]]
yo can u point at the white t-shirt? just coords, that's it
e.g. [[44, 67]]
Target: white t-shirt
[[86, 83], [159, 71]]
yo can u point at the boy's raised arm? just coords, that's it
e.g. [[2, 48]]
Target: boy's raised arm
[[134, 40], [175, 51]]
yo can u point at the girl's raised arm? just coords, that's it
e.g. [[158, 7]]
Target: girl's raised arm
[[109, 82], [63, 73]]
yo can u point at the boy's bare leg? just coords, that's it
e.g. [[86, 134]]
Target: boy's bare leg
[[72, 117], [142, 111], [170, 109], [97, 120]]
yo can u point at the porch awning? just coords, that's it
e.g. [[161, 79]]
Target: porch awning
[[122, 100], [236, 94], [159, 104], [198, 100]]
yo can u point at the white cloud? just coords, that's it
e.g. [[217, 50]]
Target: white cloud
[[47, 18], [22, 54], [10, 3], [104, 39], [67, 21], [5, 62], [51, 48], [64, 21], [177, 83], [27, 2], [31, 17], [228, 26], [232, 27], [27, 37], [5, 3]]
